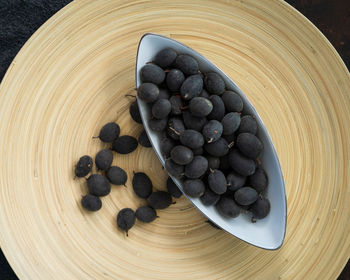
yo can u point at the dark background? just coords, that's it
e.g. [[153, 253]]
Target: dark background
[[20, 18]]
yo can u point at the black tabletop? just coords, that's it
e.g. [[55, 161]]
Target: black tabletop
[[20, 18]]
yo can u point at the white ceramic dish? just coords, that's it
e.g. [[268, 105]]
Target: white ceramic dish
[[267, 233]]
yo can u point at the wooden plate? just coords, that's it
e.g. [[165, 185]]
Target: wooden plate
[[71, 77]]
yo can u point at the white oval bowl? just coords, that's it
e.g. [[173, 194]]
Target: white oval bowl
[[267, 233]]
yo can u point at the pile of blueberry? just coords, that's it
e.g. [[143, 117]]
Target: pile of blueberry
[[208, 141], [99, 184]]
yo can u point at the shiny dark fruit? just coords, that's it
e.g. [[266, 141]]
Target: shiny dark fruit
[[218, 148], [212, 131], [260, 208], [125, 144], [142, 185], [209, 197], [217, 181], [230, 123], [181, 155], [174, 80], [192, 122], [235, 181], [175, 128], [165, 58], [192, 139], [109, 132], [104, 159], [248, 124], [200, 106], [161, 109], [258, 180], [116, 175], [187, 64], [218, 111], [174, 169], [233, 102]]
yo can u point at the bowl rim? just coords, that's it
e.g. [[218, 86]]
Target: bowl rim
[[256, 114]]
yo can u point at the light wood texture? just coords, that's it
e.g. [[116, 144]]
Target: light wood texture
[[70, 78]]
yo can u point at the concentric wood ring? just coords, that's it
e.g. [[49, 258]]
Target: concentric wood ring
[[71, 77]]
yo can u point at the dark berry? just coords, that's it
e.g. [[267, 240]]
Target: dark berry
[[144, 140], [192, 139], [209, 197], [218, 148], [159, 200], [213, 162], [172, 188], [217, 181], [174, 169], [134, 112], [248, 124], [191, 87], [235, 181], [98, 185], [249, 145], [218, 111], [165, 58], [230, 123], [196, 168], [192, 122], [161, 109], [233, 102], [214, 83], [175, 128], [258, 180], [126, 219], [91, 202], [151, 73], [116, 175], [187, 64], [194, 188], [109, 132], [158, 125], [174, 80], [246, 196], [148, 92], [166, 145], [104, 159], [176, 105], [200, 106], [241, 164], [125, 144], [83, 166], [227, 207], [146, 214], [260, 208], [212, 131], [181, 155], [142, 185]]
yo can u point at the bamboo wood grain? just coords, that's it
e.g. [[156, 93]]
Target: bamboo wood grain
[[71, 77]]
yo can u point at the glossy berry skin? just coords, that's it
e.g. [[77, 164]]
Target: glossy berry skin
[[214, 83], [235, 181], [192, 139], [83, 166], [126, 219], [91, 202]]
